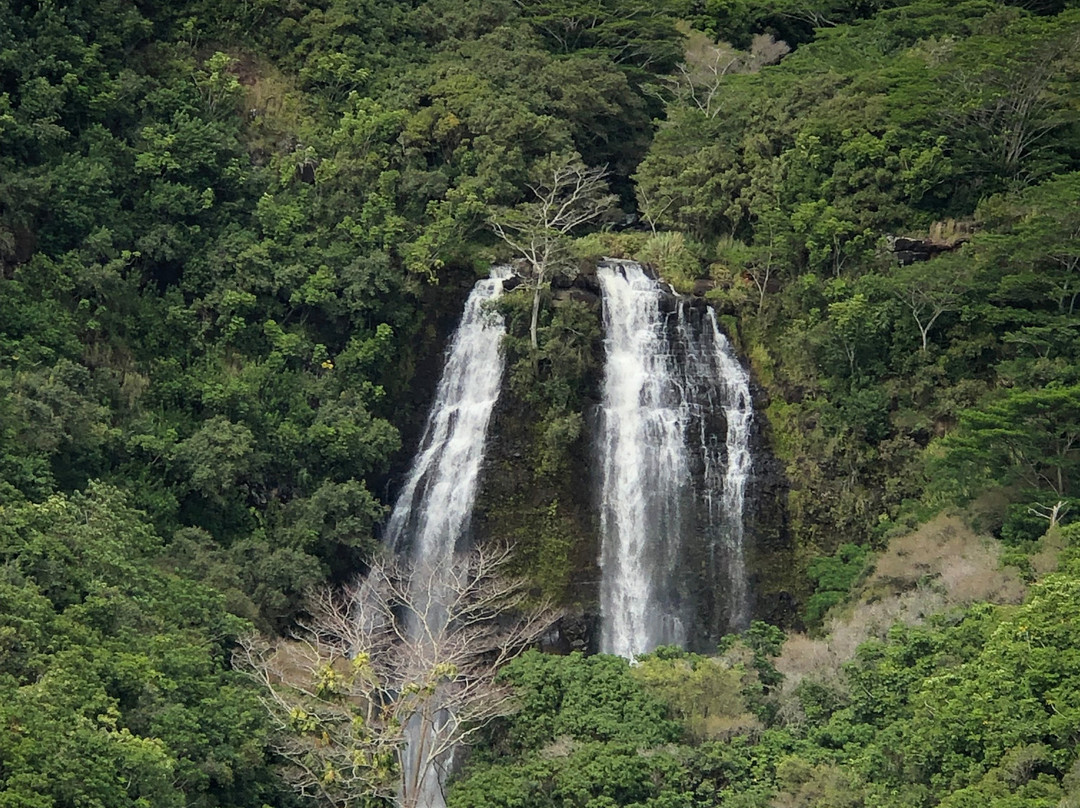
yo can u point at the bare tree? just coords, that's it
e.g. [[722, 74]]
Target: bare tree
[[1052, 513], [764, 261], [706, 63], [387, 677], [651, 211], [809, 13], [566, 195]]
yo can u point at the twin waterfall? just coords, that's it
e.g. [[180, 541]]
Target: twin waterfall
[[673, 463]]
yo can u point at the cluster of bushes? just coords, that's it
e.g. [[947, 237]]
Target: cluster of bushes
[[975, 706]]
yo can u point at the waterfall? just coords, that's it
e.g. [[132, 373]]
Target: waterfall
[[431, 517], [644, 464], [672, 557], [738, 411], [433, 509]]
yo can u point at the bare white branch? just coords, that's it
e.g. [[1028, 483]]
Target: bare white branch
[[404, 652], [567, 195], [706, 63]]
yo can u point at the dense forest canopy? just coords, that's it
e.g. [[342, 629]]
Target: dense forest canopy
[[234, 237]]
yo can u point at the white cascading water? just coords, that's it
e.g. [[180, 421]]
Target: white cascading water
[[672, 491], [738, 412], [432, 512], [433, 509], [644, 466]]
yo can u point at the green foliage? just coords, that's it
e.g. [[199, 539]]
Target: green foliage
[[1030, 436], [216, 224], [220, 225], [976, 706], [833, 577], [592, 698], [590, 733], [673, 257], [703, 693], [114, 679], [1011, 694], [972, 706]]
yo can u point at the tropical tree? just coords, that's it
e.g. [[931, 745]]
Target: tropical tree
[[930, 289], [1026, 436], [1033, 242]]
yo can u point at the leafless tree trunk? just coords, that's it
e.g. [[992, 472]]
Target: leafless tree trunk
[[930, 289], [760, 272], [1051, 513], [814, 17], [389, 675], [651, 212], [567, 195], [925, 312]]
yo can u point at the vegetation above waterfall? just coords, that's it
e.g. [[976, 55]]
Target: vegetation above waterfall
[[235, 236]]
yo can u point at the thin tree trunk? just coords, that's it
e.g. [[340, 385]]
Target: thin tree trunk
[[535, 316]]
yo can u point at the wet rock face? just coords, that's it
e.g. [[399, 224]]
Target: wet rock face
[[442, 306], [550, 519], [770, 556], [910, 250], [515, 505], [587, 280], [703, 286], [576, 630], [576, 295]]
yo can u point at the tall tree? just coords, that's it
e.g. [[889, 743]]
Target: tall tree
[[566, 194], [930, 289], [1030, 436], [1013, 96], [1037, 234]]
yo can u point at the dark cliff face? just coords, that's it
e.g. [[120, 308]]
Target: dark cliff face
[[770, 558], [536, 489], [769, 547], [552, 519]]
